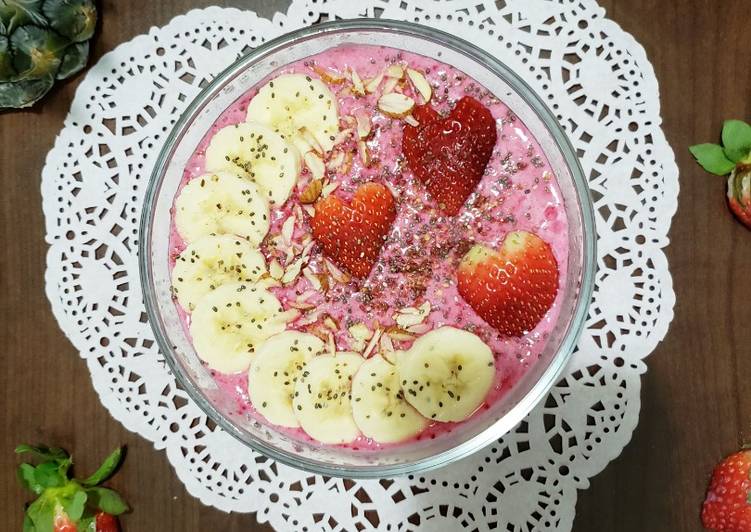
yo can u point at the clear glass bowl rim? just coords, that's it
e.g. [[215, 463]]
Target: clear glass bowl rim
[[576, 324]]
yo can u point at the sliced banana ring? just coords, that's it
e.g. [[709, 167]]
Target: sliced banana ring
[[322, 399], [274, 371], [446, 374], [294, 105], [230, 323], [378, 405], [212, 261], [221, 203], [259, 154]]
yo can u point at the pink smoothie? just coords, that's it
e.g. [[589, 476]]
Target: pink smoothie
[[419, 259]]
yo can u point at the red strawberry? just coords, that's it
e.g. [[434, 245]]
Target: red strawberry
[[449, 155], [739, 193], [106, 523], [511, 289], [727, 507], [352, 235]]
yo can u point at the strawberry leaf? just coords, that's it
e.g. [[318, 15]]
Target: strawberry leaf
[[107, 500], [45, 453], [75, 505], [712, 158], [28, 526], [105, 470], [41, 513], [27, 475], [87, 524], [48, 475], [736, 138]]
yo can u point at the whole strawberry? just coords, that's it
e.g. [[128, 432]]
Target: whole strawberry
[[513, 288], [734, 158], [727, 507], [65, 504]]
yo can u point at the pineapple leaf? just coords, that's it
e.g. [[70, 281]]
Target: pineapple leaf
[[24, 93], [6, 64], [15, 13], [74, 59], [75, 19], [37, 52]]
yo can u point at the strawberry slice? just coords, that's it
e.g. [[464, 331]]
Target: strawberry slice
[[352, 235], [449, 155], [512, 289], [727, 507]]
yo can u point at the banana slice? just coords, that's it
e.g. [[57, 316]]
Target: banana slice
[[322, 399], [294, 105], [229, 324], [275, 370], [254, 151], [446, 374], [212, 261], [378, 405], [221, 203]]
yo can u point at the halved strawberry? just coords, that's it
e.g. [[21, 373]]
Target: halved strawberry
[[727, 506], [352, 235], [512, 289], [449, 155]]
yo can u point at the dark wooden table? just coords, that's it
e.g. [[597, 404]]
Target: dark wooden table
[[696, 395]]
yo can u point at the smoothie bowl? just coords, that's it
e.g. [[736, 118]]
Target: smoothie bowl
[[367, 249]]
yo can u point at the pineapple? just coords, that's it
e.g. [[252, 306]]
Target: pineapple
[[41, 41]]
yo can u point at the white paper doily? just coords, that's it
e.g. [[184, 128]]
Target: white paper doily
[[599, 83]]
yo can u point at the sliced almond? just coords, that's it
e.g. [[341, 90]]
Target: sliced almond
[[301, 305], [310, 140], [298, 212], [312, 278], [390, 85], [336, 160], [363, 123], [420, 328], [328, 188], [360, 335], [399, 334], [337, 274], [409, 119], [395, 104], [306, 295], [275, 269], [315, 164], [372, 84], [372, 344], [386, 343], [331, 342], [311, 191], [420, 83], [310, 209], [328, 75], [347, 164], [362, 150], [329, 322], [357, 85], [288, 229], [292, 271], [343, 136], [395, 71], [309, 318]]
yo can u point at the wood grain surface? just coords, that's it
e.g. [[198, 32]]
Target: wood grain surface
[[696, 396]]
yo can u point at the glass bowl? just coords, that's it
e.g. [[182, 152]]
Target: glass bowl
[[473, 434]]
